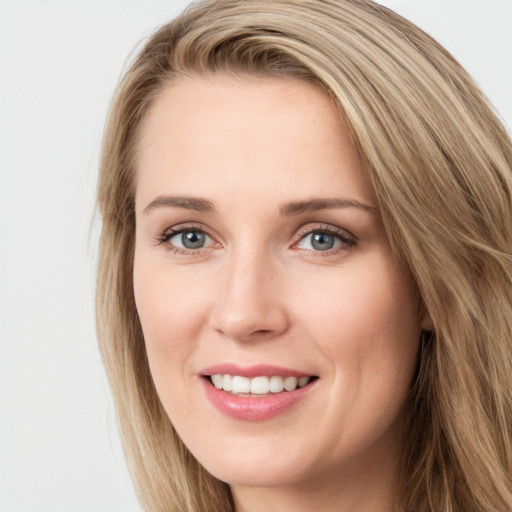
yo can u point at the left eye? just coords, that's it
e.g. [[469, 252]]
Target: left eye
[[320, 241], [190, 239]]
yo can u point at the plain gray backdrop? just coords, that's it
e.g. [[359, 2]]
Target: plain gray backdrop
[[59, 63]]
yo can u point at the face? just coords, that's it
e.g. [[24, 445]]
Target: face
[[281, 333]]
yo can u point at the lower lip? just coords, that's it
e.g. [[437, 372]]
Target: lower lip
[[254, 409]]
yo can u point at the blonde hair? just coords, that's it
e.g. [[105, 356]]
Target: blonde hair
[[440, 162]]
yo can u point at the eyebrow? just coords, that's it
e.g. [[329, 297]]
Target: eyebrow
[[286, 210], [188, 203], [312, 205]]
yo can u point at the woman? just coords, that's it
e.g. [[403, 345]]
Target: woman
[[304, 290]]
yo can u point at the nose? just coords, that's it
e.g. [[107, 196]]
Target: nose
[[251, 305]]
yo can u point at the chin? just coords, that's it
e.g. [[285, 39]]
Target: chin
[[260, 462], [250, 474]]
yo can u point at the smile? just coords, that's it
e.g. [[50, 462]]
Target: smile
[[257, 386], [255, 393]]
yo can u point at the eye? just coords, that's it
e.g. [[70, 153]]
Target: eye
[[186, 239], [320, 242], [325, 239], [190, 239]]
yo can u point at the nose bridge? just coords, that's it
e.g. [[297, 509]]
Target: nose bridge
[[249, 305]]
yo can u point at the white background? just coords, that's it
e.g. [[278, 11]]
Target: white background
[[59, 63]]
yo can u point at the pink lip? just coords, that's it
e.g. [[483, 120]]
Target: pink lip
[[252, 371], [253, 408]]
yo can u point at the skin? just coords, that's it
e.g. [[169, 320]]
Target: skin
[[259, 292]]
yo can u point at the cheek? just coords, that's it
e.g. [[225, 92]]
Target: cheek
[[171, 311], [366, 324]]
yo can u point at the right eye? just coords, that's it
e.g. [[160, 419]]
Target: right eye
[[186, 239]]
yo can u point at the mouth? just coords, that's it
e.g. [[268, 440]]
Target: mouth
[[259, 386], [256, 392]]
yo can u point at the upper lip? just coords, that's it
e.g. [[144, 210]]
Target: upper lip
[[251, 371]]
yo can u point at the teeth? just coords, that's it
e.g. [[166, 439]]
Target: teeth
[[258, 385], [218, 381], [303, 381], [239, 384], [290, 383], [276, 384], [227, 383]]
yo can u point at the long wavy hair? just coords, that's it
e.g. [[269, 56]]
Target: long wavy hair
[[440, 162]]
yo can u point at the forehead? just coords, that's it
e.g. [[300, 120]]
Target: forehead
[[247, 134]]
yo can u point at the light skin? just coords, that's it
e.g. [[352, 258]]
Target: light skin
[[294, 269]]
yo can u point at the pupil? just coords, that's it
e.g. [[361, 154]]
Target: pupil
[[322, 241], [192, 239]]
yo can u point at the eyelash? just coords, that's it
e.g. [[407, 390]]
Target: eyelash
[[347, 239], [169, 233]]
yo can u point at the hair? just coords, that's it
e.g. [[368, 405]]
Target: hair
[[440, 162]]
